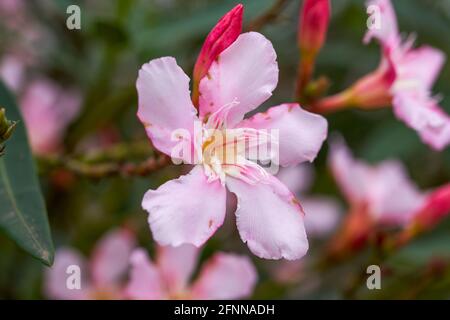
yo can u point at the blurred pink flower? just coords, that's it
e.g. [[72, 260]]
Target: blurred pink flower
[[224, 276], [190, 209], [47, 110], [415, 72], [101, 276], [12, 72], [322, 212], [383, 190]]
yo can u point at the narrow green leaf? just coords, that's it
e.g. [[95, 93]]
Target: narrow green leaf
[[23, 215]]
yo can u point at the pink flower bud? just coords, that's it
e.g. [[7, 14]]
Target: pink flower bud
[[314, 19], [437, 207], [221, 37]]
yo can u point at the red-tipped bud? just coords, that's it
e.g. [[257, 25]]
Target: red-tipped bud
[[437, 207], [221, 37], [313, 26]]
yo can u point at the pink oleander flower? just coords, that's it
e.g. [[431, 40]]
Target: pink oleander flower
[[322, 212], [405, 78], [384, 190], [47, 110], [224, 276], [378, 195], [313, 25], [416, 71], [101, 277], [190, 209], [221, 37]]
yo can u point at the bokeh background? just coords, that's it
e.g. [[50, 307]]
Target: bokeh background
[[100, 62]]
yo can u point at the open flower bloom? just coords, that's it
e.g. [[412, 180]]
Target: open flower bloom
[[384, 190], [48, 109], [378, 195], [403, 79], [415, 70], [189, 210], [322, 212], [224, 276], [100, 277]]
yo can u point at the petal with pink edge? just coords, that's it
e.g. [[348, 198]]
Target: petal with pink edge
[[165, 104], [145, 281], [56, 277], [423, 115], [385, 28], [301, 133], [177, 265], [187, 210], [110, 257], [241, 79], [269, 219], [225, 276]]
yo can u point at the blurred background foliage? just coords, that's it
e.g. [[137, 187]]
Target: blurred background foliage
[[102, 60]]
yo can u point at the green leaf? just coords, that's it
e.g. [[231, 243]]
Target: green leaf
[[23, 215]]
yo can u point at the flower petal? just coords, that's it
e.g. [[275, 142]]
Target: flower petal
[[393, 198], [424, 116], [269, 219], [420, 67], [165, 104], [321, 215], [225, 276], [56, 277], [349, 173], [187, 210], [176, 265], [145, 279], [301, 133], [297, 179], [385, 29], [242, 78], [110, 257]]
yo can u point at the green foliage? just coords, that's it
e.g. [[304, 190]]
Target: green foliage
[[22, 212]]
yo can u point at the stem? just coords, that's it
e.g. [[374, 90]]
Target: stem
[[333, 103], [268, 16], [305, 72]]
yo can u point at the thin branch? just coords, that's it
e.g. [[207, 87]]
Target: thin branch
[[268, 16]]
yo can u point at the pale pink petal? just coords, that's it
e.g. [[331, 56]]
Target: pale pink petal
[[12, 72], [47, 110], [269, 219], [387, 30], [419, 68], [392, 196], [225, 276], [321, 215], [297, 179], [110, 257], [176, 265], [350, 174], [187, 210], [241, 79], [57, 282], [145, 281], [165, 104], [424, 116], [301, 133]]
